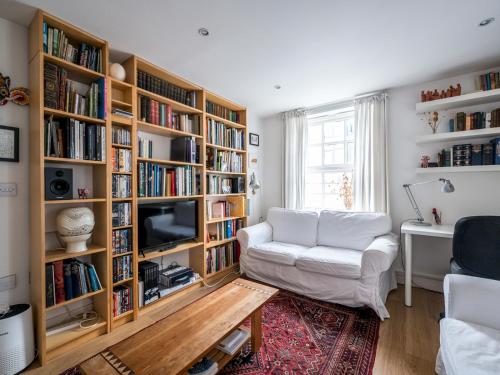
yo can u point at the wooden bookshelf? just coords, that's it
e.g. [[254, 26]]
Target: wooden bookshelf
[[120, 95]]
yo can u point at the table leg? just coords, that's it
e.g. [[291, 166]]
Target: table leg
[[408, 256], [256, 330]]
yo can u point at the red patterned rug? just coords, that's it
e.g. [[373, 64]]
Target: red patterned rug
[[305, 336]]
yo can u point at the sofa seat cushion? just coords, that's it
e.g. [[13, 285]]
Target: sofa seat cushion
[[351, 230], [292, 226], [277, 252], [345, 263], [468, 348]]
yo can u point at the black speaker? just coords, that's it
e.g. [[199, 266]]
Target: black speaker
[[58, 183]]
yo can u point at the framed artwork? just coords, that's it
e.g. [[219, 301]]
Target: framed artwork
[[254, 139], [9, 143]]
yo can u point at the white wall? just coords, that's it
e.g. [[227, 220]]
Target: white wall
[[476, 193], [255, 153], [14, 219]]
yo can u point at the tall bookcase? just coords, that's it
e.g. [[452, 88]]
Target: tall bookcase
[[98, 176]]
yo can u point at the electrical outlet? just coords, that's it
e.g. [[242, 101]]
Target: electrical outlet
[[7, 282], [8, 190]]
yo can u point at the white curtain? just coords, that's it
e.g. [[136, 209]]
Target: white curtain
[[294, 158], [370, 181]]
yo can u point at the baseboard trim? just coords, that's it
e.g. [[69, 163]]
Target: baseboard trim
[[423, 280]]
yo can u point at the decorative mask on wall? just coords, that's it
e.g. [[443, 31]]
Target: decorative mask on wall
[[17, 95]]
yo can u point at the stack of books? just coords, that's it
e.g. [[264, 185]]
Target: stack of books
[[56, 43], [220, 209], [161, 87], [221, 257], [221, 111], [145, 148], [122, 299], [122, 268], [121, 186], [121, 136], [69, 279], [224, 161], [162, 181], [489, 81], [121, 160], [224, 185], [121, 214], [224, 230], [122, 241], [122, 113], [223, 135]]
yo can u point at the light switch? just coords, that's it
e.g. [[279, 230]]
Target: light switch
[[8, 190]]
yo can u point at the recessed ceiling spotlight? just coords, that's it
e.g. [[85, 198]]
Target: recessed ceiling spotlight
[[203, 32], [277, 87], [486, 21]]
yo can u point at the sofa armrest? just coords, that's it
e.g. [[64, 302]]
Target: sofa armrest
[[472, 299], [379, 255], [254, 235]]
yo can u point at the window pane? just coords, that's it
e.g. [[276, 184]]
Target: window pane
[[349, 128], [314, 156], [314, 134], [334, 154], [333, 201], [334, 131], [314, 201], [332, 182], [350, 153]]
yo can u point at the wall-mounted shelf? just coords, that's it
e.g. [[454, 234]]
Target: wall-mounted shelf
[[474, 168], [474, 98], [458, 136]]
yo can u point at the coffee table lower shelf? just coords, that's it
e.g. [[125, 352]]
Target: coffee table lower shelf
[[222, 358]]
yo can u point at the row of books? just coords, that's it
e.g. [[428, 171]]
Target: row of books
[[56, 43], [122, 299], [225, 185], [69, 279], [121, 136], [224, 161], [121, 240], [156, 113], [122, 268], [477, 120], [163, 181], [221, 111], [219, 209], [121, 214], [64, 94], [161, 87], [465, 155], [70, 138], [220, 257], [223, 135], [223, 230], [489, 81], [121, 186], [145, 148], [121, 160]]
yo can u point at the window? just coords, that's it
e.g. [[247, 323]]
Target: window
[[329, 161]]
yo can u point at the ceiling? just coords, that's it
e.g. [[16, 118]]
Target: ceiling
[[318, 50]]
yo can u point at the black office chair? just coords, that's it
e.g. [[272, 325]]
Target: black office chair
[[476, 247]]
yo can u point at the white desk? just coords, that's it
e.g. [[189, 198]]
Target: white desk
[[408, 229]]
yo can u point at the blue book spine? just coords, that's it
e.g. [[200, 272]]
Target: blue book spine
[[68, 284], [496, 151], [93, 278], [45, 38], [83, 279]]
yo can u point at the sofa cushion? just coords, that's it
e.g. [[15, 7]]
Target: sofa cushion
[[351, 230], [296, 227], [468, 348], [277, 252], [331, 261]]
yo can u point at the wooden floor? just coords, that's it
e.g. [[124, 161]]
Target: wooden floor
[[409, 340]]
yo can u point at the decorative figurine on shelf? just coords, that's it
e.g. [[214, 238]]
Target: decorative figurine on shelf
[[429, 95], [83, 193], [424, 161], [437, 216], [75, 226], [118, 72], [17, 95], [432, 119]]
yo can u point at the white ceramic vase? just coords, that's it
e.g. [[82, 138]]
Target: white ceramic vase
[[75, 226]]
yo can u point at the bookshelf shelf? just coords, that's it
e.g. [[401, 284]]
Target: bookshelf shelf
[[124, 281], [177, 249], [122, 254], [123, 315], [222, 358], [225, 173], [176, 106], [122, 199], [80, 73], [224, 270], [160, 130], [85, 296], [63, 114], [124, 173], [121, 84], [52, 159], [224, 121], [226, 148], [122, 227], [120, 120], [473, 98], [117, 145], [119, 103], [55, 255], [458, 136], [169, 162], [222, 219], [77, 201], [221, 242], [473, 168], [170, 198], [227, 195]]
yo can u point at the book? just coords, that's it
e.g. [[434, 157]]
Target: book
[[68, 283], [122, 299], [121, 136], [121, 186], [121, 214], [50, 293], [224, 185], [122, 268], [221, 111], [164, 88], [155, 180], [221, 257], [223, 161], [121, 241], [233, 342], [59, 281], [76, 282], [220, 134]]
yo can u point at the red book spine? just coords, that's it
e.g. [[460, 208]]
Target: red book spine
[[169, 115], [157, 113], [59, 281]]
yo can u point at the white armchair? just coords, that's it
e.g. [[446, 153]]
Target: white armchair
[[470, 331]]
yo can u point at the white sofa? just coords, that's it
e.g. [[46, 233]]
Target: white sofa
[[339, 257], [470, 331]]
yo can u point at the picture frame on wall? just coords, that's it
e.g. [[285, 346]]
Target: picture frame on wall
[[9, 143], [254, 139]]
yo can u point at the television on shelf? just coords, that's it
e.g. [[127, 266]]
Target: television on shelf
[[163, 225]]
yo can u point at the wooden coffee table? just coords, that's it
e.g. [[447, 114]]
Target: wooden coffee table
[[176, 343]]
